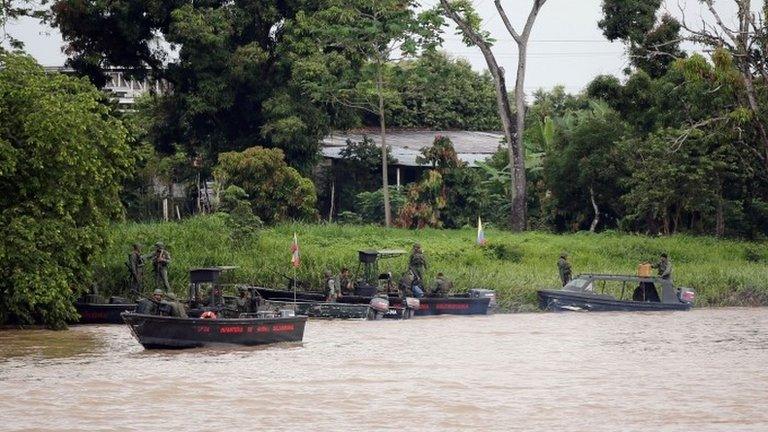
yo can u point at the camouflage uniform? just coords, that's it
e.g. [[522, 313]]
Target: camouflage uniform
[[331, 291], [442, 286], [664, 267], [346, 287], [243, 301], [136, 268], [160, 260], [417, 263], [406, 284], [177, 309], [564, 268]]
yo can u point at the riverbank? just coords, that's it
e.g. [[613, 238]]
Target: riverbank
[[723, 272]]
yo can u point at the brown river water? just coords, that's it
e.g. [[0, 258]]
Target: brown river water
[[704, 370]]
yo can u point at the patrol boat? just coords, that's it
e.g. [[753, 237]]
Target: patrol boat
[[95, 309], [607, 292], [371, 283], [378, 308], [154, 331]]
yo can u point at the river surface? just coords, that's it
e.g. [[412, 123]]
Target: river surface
[[704, 370]]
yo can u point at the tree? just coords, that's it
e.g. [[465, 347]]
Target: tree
[[351, 63], [276, 191], [463, 99], [462, 13], [230, 85], [63, 155], [586, 166]]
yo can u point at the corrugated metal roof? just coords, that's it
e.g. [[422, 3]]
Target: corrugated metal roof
[[406, 145]]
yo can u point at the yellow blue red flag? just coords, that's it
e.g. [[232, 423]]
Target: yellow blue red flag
[[480, 232]]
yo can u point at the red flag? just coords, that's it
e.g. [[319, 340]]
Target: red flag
[[295, 261]]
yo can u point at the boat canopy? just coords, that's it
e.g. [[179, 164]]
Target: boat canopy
[[371, 255], [586, 283]]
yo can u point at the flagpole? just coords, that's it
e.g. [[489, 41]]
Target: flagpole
[[294, 287]]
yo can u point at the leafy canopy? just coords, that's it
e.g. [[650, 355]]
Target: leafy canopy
[[63, 155]]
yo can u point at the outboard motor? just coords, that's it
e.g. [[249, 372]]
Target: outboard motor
[[412, 303], [687, 295], [484, 293], [380, 304]]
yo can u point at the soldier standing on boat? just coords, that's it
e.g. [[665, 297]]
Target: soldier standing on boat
[[417, 263], [664, 267], [160, 260], [136, 267], [442, 286], [329, 284], [346, 286], [564, 268], [243, 300]]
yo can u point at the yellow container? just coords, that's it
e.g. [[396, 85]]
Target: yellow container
[[644, 270]]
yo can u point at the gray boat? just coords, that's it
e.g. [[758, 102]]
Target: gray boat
[[607, 292]]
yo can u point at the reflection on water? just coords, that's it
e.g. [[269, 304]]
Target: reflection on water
[[703, 370]]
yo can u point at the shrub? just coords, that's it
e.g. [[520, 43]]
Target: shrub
[[276, 191]]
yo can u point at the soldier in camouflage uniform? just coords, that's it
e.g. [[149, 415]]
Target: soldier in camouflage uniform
[[160, 260], [136, 267], [664, 267], [329, 284], [406, 283], [243, 300], [417, 263], [564, 268], [442, 287], [346, 286], [176, 308]]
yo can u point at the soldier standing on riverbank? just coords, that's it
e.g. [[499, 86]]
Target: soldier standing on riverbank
[[160, 260], [136, 268], [664, 267], [564, 268]]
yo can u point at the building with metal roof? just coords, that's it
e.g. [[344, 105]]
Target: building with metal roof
[[406, 145]]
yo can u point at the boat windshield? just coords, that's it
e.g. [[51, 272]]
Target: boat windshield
[[579, 284]]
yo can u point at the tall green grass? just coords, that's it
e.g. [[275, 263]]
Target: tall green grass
[[723, 272]]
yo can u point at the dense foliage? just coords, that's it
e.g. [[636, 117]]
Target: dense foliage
[[231, 83], [63, 156], [438, 92], [276, 191]]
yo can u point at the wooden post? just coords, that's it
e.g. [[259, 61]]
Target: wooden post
[[178, 213], [398, 178], [333, 200], [165, 209]]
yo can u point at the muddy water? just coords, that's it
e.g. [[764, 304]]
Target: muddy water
[[705, 370]]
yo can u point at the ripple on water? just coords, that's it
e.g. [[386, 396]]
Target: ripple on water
[[703, 371]]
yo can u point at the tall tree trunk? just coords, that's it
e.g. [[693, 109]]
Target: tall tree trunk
[[516, 156], [596, 218], [519, 202], [384, 167]]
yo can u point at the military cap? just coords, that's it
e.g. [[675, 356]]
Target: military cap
[[158, 291], [171, 296]]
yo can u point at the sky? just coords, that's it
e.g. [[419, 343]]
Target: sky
[[566, 48]]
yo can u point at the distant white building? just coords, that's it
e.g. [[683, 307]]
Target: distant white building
[[124, 89]]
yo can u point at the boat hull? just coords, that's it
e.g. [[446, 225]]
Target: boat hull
[[555, 300], [102, 313], [452, 305], [155, 332], [315, 309]]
